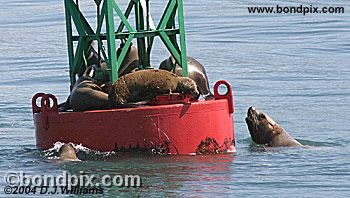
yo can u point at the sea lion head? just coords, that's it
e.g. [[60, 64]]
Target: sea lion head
[[67, 153], [98, 74], [114, 95], [261, 126], [188, 86]]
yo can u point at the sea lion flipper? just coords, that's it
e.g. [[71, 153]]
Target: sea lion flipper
[[65, 106]]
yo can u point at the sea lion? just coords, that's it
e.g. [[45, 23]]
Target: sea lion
[[87, 93], [196, 72], [67, 153], [264, 130], [145, 85], [92, 57], [130, 62]]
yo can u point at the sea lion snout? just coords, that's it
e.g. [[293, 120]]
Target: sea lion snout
[[258, 116], [251, 111]]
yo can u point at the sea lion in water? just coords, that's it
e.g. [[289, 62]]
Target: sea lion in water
[[67, 153], [87, 93], [145, 85], [264, 130], [196, 72]]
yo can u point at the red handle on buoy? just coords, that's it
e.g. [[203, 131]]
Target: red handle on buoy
[[46, 108], [227, 95], [35, 107], [46, 103]]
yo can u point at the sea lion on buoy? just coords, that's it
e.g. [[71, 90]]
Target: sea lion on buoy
[[87, 93], [196, 72], [92, 57], [67, 153], [264, 130], [130, 62], [145, 85]]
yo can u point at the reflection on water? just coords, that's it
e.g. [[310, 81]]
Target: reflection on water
[[294, 67]]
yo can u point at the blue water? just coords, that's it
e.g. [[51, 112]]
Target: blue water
[[295, 68]]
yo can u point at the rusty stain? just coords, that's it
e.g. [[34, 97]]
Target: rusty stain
[[151, 147], [211, 146]]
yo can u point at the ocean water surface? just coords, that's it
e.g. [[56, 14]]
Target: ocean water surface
[[296, 68]]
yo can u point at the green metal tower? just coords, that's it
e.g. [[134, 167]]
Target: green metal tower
[[170, 25]]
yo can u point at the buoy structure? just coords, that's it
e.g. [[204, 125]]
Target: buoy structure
[[171, 124]]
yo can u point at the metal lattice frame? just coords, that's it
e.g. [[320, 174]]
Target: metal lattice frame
[[166, 30]]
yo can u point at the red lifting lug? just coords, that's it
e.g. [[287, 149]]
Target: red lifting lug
[[47, 108], [227, 95], [35, 107]]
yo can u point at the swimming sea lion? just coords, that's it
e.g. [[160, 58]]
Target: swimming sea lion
[[87, 93], [67, 153], [196, 72], [264, 130], [145, 85]]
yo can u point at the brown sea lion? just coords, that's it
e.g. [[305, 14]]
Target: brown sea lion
[[87, 93], [130, 61], [196, 72], [67, 153], [264, 130], [92, 58], [145, 85]]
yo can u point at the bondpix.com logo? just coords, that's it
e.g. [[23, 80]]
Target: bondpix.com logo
[[71, 180]]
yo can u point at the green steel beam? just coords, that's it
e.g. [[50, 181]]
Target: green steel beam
[[166, 15], [144, 61], [111, 46], [125, 35], [99, 27], [166, 30], [125, 50], [122, 17], [69, 41], [183, 62], [127, 14]]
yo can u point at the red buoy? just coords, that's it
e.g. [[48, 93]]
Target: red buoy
[[172, 125]]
